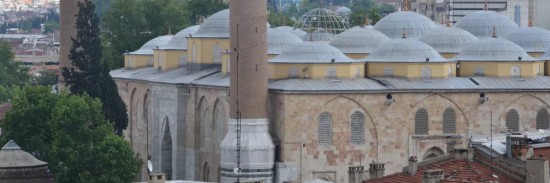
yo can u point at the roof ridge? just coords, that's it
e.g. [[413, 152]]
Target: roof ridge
[[11, 145]]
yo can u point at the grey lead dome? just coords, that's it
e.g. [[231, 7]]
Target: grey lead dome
[[449, 39], [217, 26], [147, 48], [531, 39], [312, 52], [280, 40], [404, 50], [482, 23], [179, 41], [414, 24], [493, 49], [359, 40]]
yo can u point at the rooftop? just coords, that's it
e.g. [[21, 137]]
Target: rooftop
[[414, 24], [484, 23], [11, 156]]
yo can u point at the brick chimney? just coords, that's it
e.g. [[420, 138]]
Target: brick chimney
[[356, 174], [537, 170], [157, 178], [413, 165], [376, 170], [433, 176]]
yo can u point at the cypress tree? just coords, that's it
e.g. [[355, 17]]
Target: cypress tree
[[90, 73]]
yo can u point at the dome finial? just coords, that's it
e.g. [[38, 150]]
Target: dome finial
[[494, 32], [404, 34]]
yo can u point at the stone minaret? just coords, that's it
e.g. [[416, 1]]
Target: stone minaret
[[67, 14], [249, 75]]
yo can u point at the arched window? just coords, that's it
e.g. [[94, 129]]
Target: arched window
[[517, 14], [450, 69], [388, 72], [479, 71], [166, 151], [357, 128], [449, 121], [515, 71], [357, 72], [206, 119], [512, 120], [293, 73], [182, 60], [331, 73], [194, 53], [543, 121], [425, 73], [220, 123], [217, 54], [324, 128], [421, 122]]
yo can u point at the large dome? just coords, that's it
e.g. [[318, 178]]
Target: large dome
[[280, 40], [343, 11], [321, 18], [147, 48], [414, 24], [482, 23], [359, 39], [179, 41], [216, 26], [318, 35], [448, 39], [298, 32], [531, 39], [493, 49], [404, 50], [311, 52]]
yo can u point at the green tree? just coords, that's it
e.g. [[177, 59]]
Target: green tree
[[84, 146], [374, 15], [27, 121], [10, 71], [204, 8], [163, 16], [91, 74], [277, 19]]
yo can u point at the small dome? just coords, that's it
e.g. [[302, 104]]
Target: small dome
[[318, 35], [279, 41], [11, 156], [404, 50], [343, 11], [482, 23], [531, 39], [321, 18], [147, 48], [359, 40], [179, 41], [493, 49], [449, 39], [311, 52], [414, 24], [217, 25], [298, 32]]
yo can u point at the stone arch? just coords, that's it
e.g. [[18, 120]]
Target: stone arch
[[432, 153], [166, 150], [527, 106], [199, 130], [204, 116], [461, 120]]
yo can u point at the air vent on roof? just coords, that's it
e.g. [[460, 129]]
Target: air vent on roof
[[473, 81]]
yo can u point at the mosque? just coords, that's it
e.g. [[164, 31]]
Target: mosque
[[334, 97]]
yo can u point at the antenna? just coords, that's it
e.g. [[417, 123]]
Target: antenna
[[238, 171]]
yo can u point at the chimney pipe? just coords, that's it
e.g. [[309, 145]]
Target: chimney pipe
[[433, 176], [537, 170], [157, 178], [413, 165], [376, 170]]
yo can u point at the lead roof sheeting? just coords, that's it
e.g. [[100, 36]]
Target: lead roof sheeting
[[215, 26], [176, 76], [298, 32], [359, 40], [531, 39], [481, 23], [179, 41], [404, 50], [494, 49], [147, 48], [449, 39], [280, 40], [326, 85], [312, 52], [217, 80], [415, 25]]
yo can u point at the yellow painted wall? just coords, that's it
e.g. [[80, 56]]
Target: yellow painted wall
[[205, 49], [501, 69], [167, 59], [317, 71], [357, 55], [136, 61], [410, 70]]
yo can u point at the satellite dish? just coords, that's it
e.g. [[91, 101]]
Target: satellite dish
[[149, 165]]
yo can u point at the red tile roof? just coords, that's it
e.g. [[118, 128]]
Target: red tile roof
[[455, 171]]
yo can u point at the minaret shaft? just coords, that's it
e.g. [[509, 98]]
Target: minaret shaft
[[67, 17]]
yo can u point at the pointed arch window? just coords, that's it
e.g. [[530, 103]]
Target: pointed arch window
[[479, 71], [449, 121], [543, 119], [207, 118], [388, 72], [324, 129], [331, 73], [293, 73], [421, 122], [515, 71], [426, 73], [357, 128], [512, 120], [220, 124]]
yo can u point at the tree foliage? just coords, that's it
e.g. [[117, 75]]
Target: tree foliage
[[71, 134], [204, 8], [91, 74], [10, 71], [363, 9], [277, 19]]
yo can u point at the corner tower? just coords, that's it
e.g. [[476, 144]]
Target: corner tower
[[247, 152]]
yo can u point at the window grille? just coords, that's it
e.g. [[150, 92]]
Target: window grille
[[421, 122], [220, 124], [293, 73], [357, 128], [515, 71], [357, 72], [449, 121], [324, 129], [512, 120], [388, 72], [331, 73], [543, 121], [207, 128], [182, 60], [479, 71], [426, 73], [217, 54]]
